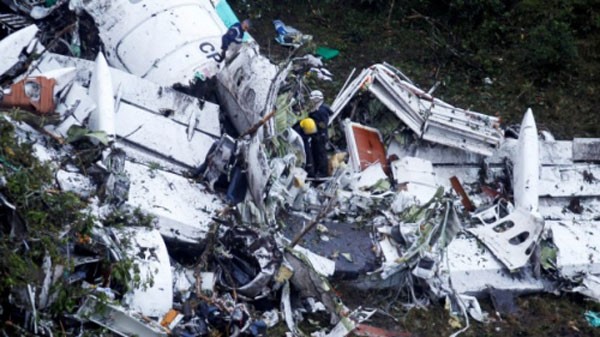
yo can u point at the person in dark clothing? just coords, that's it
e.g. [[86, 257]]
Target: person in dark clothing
[[307, 128], [235, 34], [320, 115], [313, 131]]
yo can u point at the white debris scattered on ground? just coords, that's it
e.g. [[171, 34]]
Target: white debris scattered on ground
[[193, 220]]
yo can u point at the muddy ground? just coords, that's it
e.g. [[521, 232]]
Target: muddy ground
[[566, 104]]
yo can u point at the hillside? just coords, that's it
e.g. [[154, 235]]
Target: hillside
[[497, 57]]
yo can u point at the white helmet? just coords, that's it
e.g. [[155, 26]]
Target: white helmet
[[316, 95]]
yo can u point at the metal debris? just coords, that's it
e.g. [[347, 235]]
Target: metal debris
[[196, 228]]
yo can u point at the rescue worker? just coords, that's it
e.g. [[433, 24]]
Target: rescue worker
[[313, 131], [307, 128], [320, 114], [235, 34]]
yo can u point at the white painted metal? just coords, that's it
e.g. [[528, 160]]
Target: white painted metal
[[160, 136], [429, 118], [12, 46], [590, 287], [144, 94], [163, 41], [74, 109], [526, 165], [586, 149], [76, 183], [63, 77], [119, 320], [101, 91], [555, 153], [575, 180], [184, 209], [512, 238], [154, 296], [245, 87], [322, 265], [258, 170], [370, 176], [418, 176], [578, 246], [190, 33], [472, 270]]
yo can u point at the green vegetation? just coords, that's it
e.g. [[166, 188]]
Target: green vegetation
[[539, 54], [45, 224]]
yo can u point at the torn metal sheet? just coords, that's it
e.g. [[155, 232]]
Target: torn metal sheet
[[416, 177], [578, 246], [219, 160], [370, 176], [286, 308], [118, 320], [74, 108], [11, 22], [190, 32], [576, 180], [76, 183], [390, 252], [365, 146], [511, 238], [258, 170], [144, 94], [63, 76], [13, 45], [248, 85], [590, 287], [184, 210], [154, 296], [526, 163], [140, 123], [586, 149], [320, 264], [469, 304], [472, 269], [310, 284], [429, 118], [249, 263], [551, 153]]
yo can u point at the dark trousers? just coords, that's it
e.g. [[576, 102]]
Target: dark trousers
[[316, 155], [319, 154]]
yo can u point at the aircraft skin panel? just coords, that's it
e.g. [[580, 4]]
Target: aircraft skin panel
[[131, 44]]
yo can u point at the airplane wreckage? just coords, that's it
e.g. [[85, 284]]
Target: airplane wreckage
[[424, 197]]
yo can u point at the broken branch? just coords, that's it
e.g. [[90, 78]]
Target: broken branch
[[314, 221]]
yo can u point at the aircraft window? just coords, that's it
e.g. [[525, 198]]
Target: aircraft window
[[249, 97]]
